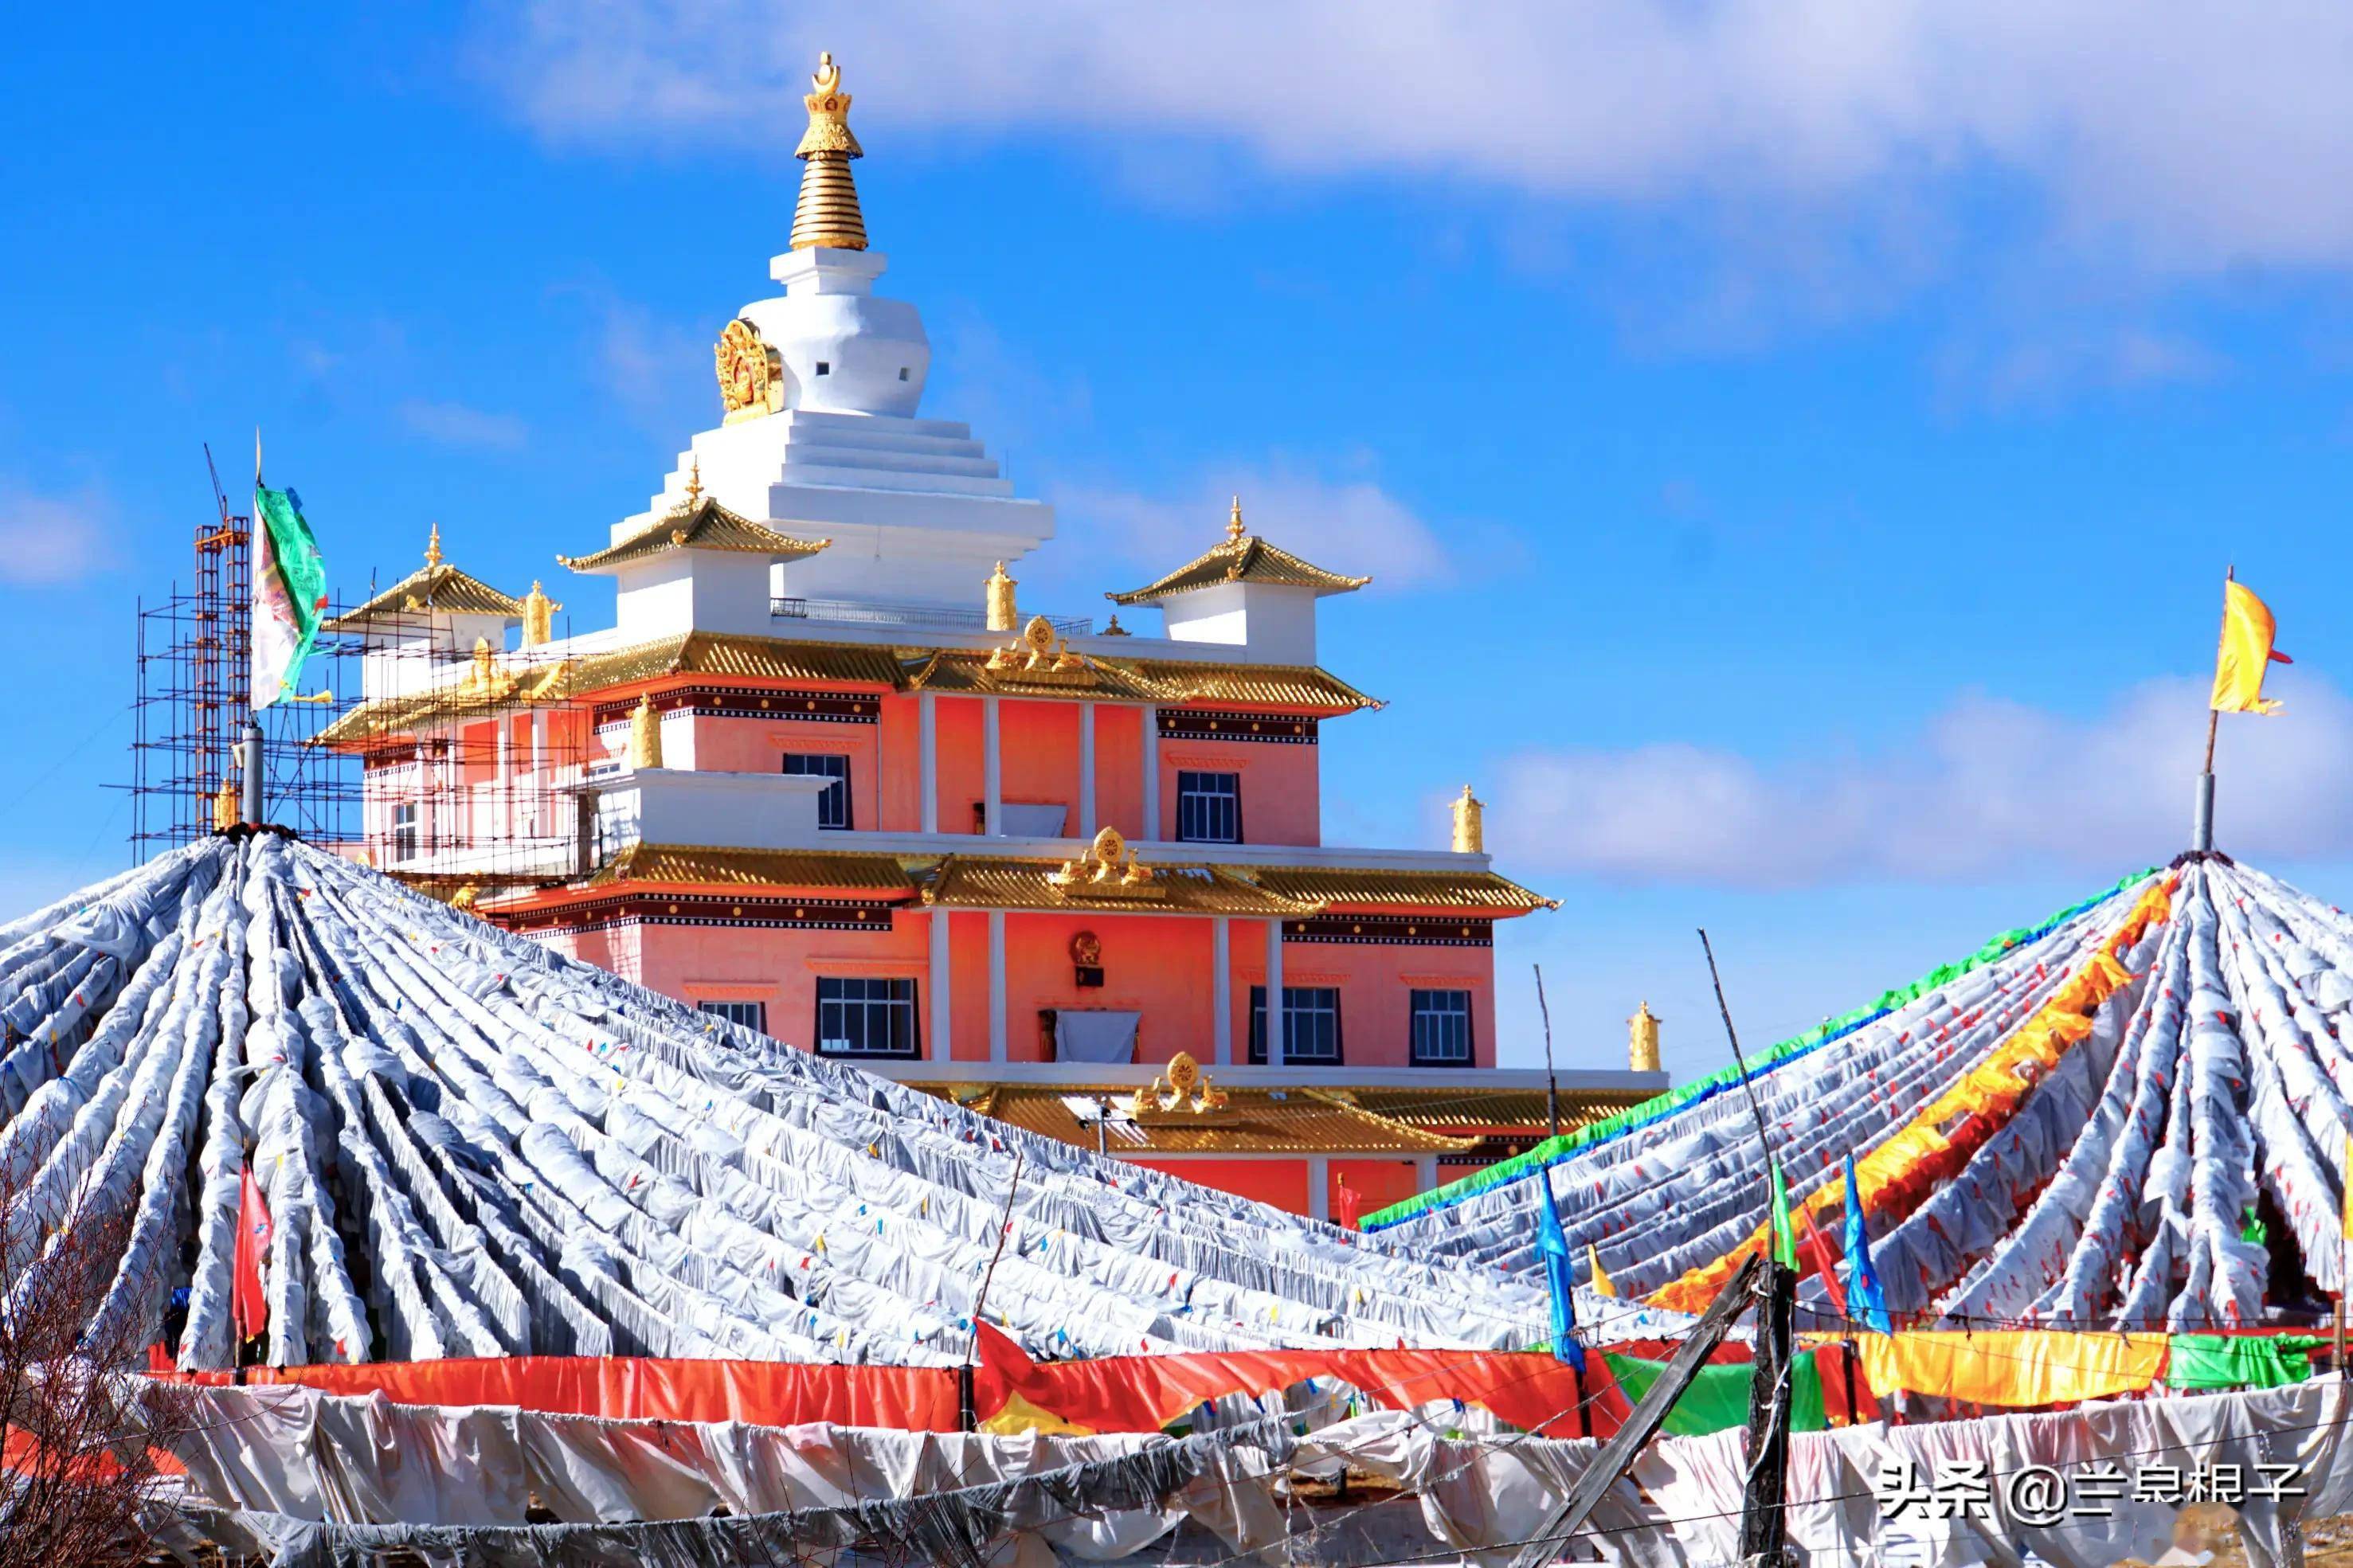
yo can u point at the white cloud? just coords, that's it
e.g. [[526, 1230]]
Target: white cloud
[[2192, 134], [456, 424], [1345, 525], [46, 540], [1985, 788]]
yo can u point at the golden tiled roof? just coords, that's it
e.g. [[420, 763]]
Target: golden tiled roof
[[1252, 1121], [1246, 559], [1462, 1110], [1350, 887], [708, 865], [508, 687], [1286, 686], [439, 587], [701, 524], [990, 882], [960, 670]]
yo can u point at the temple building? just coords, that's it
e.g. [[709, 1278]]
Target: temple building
[[826, 776]]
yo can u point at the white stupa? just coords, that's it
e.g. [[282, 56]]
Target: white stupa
[[821, 386]]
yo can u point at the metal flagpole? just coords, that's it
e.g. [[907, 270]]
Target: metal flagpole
[[1552, 1082], [2201, 820]]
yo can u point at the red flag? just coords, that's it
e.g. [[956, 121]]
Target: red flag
[[1351, 1202], [249, 1308], [1825, 1260]]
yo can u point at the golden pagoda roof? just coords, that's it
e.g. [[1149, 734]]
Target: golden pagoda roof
[[1288, 686], [694, 865], [1350, 886], [1242, 557], [700, 524], [995, 882], [1464, 1111], [1253, 1120], [737, 657], [435, 585], [520, 685]]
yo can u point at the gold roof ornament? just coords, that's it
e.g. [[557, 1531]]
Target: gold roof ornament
[[1182, 1086], [1469, 823], [1003, 615], [486, 664], [1242, 557], [751, 373], [827, 212], [1040, 650], [465, 898], [1643, 1040], [432, 546], [1107, 862], [1114, 629], [644, 735], [227, 807], [538, 616], [700, 523], [1234, 524]]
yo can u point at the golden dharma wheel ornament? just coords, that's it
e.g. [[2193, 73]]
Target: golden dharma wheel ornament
[[1086, 948], [751, 373]]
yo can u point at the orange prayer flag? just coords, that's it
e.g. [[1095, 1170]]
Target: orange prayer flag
[[2245, 652]]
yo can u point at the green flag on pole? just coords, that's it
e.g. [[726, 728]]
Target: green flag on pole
[[289, 591], [1785, 1235]]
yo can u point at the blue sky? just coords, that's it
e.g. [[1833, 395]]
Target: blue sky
[[1796, 446]]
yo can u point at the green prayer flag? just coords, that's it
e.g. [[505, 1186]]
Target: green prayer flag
[[1785, 1235], [1717, 1398], [290, 592], [2237, 1361]]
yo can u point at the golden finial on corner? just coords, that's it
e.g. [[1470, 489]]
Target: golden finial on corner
[[1469, 823], [644, 735], [1234, 523], [1114, 629], [827, 213], [225, 805], [1643, 1040], [695, 483], [1003, 613], [433, 547], [538, 616]]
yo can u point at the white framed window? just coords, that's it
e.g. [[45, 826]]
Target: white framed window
[[861, 1017], [1442, 1029], [404, 830], [1311, 1025], [752, 1015], [1208, 807], [833, 804]]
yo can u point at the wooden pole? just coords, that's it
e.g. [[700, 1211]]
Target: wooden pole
[[1763, 1515], [1552, 1083]]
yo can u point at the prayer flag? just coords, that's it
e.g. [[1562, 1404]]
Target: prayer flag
[[1862, 1282], [248, 1306], [1553, 1243], [1785, 1239], [1602, 1284], [2344, 1178], [2246, 651], [290, 590]]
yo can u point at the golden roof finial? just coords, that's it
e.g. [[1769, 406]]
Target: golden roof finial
[[827, 213], [695, 483], [433, 547], [538, 616], [1234, 523], [1643, 1040], [1003, 613], [227, 807], [644, 735], [1469, 823]]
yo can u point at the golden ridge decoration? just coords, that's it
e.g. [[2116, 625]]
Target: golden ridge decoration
[[1234, 523], [751, 373], [433, 547], [1003, 613], [1182, 1086], [1643, 1040], [1469, 823], [1108, 866], [1040, 651], [644, 735], [538, 618], [227, 807]]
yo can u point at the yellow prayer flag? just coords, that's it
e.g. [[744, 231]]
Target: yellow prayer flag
[[2346, 1177], [2247, 649], [1604, 1286]]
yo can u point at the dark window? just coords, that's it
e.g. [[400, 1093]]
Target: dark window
[[1208, 808], [833, 806], [902, 372], [752, 1015], [825, 367], [1442, 1029], [403, 831], [1311, 1025], [867, 1018]]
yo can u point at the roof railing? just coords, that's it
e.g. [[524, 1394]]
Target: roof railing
[[864, 612]]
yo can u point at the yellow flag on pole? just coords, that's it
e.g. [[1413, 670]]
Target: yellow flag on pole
[[2345, 1175], [1604, 1286], [2245, 652]]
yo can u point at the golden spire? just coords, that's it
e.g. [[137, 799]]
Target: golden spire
[[1234, 523], [827, 213], [433, 547], [1002, 616], [538, 616], [1643, 1040], [1469, 823], [644, 735], [694, 484], [226, 808]]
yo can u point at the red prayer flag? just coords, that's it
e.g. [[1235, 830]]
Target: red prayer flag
[[1351, 1202], [249, 1308], [1825, 1260]]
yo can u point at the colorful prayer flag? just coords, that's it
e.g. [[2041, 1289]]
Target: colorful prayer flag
[[248, 1306], [1785, 1239], [1553, 1243], [2344, 1180], [2245, 653], [1602, 1284], [290, 584], [1870, 1306]]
